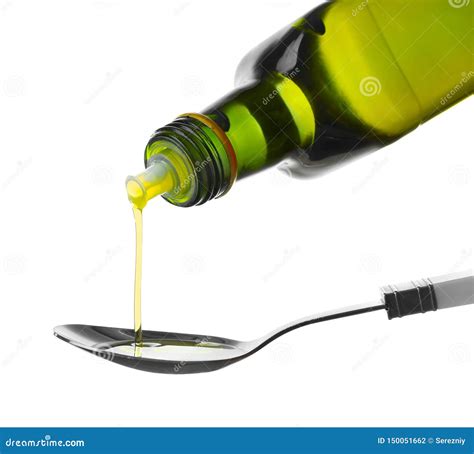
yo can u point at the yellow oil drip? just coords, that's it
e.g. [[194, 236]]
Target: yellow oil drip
[[155, 180], [137, 300]]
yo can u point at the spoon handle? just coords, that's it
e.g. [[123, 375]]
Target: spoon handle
[[399, 300], [321, 317], [431, 294]]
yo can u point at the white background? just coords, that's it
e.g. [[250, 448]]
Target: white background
[[82, 86]]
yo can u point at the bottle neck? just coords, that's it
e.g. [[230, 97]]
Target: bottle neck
[[248, 130], [265, 121]]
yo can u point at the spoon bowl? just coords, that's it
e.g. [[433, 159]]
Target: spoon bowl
[[162, 352]]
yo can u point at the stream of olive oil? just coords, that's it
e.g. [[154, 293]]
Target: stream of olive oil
[[137, 305]]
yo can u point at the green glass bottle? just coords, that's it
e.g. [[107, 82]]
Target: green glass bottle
[[348, 77]]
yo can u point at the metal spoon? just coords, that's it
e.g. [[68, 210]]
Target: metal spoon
[[177, 353]]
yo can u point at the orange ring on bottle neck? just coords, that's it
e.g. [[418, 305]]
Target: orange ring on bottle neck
[[221, 135]]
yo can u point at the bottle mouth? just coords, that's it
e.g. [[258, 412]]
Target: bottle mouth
[[200, 155]]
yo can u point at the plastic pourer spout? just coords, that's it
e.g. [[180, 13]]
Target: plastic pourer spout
[[155, 180]]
